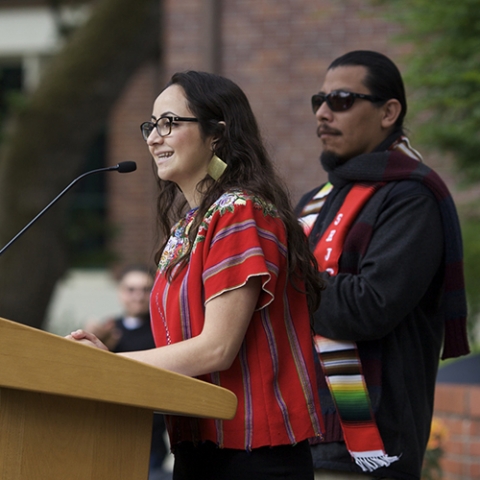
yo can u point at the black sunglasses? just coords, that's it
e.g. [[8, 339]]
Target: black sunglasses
[[339, 100]]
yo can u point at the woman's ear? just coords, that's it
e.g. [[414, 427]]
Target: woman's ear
[[220, 129], [391, 111]]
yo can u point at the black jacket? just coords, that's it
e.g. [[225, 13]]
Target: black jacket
[[391, 308]]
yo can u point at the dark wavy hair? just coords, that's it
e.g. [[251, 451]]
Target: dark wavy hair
[[383, 78], [213, 99]]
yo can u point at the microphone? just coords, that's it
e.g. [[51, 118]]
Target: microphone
[[122, 167]]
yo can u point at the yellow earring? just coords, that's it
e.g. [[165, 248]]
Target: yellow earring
[[216, 167]]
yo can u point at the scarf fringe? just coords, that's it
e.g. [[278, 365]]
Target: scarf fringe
[[371, 463]]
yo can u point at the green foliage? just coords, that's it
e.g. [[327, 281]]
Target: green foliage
[[432, 469], [471, 234], [443, 74], [442, 77]]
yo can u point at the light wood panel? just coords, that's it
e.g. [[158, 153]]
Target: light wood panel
[[45, 437], [68, 411], [31, 359]]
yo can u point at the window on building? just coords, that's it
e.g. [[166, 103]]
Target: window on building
[[88, 230], [11, 83], [87, 227]]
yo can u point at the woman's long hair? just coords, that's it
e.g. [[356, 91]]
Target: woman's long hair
[[213, 99]]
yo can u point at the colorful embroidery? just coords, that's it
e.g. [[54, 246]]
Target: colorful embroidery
[[179, 243]]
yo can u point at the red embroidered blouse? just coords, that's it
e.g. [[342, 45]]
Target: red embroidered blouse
[[273, 375]]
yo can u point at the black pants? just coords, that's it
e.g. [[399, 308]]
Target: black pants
[[207, 462]]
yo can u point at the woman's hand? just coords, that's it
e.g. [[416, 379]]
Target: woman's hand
[[86, 338], [227, 318]]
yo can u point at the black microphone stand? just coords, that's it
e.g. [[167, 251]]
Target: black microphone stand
[[123, 167]]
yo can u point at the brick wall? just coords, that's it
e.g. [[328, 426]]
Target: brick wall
[[131, 199], [277, 51], [458, 407]]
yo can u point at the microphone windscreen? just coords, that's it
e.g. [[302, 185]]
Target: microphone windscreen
[[125, 167]]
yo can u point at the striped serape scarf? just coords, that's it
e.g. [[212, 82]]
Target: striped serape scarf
[[340, 360]]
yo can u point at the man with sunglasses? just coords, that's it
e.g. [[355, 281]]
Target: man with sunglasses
[[385, 233]]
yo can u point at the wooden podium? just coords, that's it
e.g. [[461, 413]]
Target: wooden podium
[[73, 412]]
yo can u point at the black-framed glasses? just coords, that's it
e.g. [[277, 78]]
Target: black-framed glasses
[[340, 100], [163, 125]]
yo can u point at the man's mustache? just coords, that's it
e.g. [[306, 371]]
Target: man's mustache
[[323, 129]]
